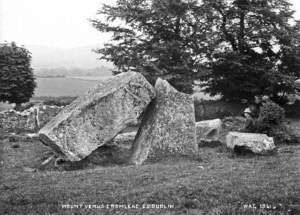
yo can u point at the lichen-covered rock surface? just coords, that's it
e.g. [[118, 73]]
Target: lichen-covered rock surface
[[98, 116], [208, 131], [168, 126], [124, 139], [256, 143]]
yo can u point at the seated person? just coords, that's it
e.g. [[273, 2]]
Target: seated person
[[252, 112]]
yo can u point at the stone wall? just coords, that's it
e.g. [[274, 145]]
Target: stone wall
[[30, 120]]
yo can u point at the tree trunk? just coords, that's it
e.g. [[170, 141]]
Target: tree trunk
[[18, 106], [241, 34]]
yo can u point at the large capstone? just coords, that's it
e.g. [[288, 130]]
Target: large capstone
[[208, 131], [256, 143], [168, 126], [98, 116]]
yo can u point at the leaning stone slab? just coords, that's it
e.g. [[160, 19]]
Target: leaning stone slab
[[98, 116], [168, 126], [208, 131], [257, 143]]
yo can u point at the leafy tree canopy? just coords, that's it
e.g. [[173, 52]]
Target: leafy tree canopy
[[17, 82], [255, 49], [157, 38], [237, 48]]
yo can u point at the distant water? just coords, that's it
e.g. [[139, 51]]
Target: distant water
[[66, 86]]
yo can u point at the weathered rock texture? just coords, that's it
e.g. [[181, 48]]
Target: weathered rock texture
[[97, 117], [30, 120], [168, 126], [124, 139], [208, 131], [257, 143]]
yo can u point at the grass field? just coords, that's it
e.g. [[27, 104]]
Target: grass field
[[60, 87], [74, 86], [63, 86], [216, 182]]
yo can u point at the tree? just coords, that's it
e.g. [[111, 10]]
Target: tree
[[255, 48], [17, 82], [236, 48], [158, 38]]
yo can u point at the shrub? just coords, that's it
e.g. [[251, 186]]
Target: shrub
[[271, 122], [271, 113], [58, 101]]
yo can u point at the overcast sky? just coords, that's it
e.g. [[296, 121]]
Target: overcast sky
[[59, 23]]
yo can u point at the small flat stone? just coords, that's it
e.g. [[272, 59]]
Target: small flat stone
[[257, 143]]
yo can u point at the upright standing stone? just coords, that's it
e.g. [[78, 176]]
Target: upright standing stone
[[168, 126], [97, 117]]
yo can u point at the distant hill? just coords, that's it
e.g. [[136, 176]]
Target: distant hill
[[62, 71], [46, 57]]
